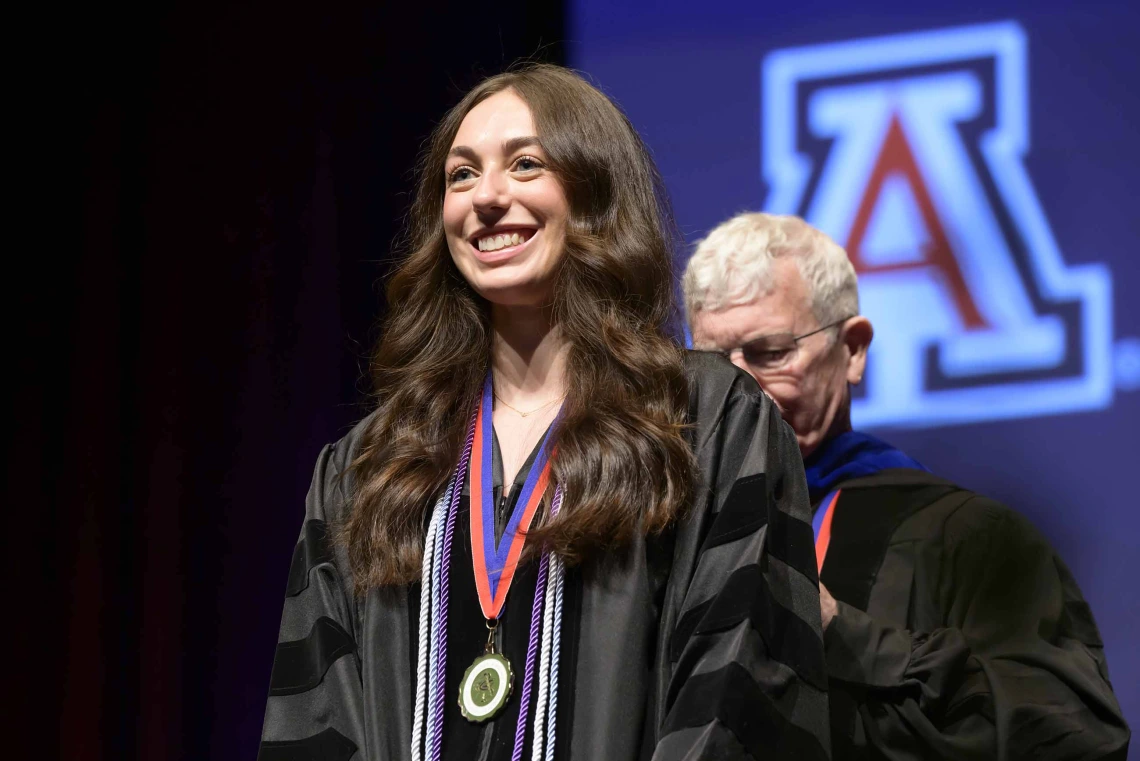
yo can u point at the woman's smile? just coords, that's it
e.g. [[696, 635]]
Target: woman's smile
[[502, 243]]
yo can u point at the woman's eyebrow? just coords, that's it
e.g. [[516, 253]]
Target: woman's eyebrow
[[518, 143], [462, 151], [509, 146]]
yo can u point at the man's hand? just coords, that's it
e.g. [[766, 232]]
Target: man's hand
[[827, 606]]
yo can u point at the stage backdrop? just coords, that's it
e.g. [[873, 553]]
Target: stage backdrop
[[980, 168]]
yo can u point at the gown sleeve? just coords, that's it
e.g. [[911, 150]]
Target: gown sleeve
[[314, 710], [748, 679], [1018, 671]]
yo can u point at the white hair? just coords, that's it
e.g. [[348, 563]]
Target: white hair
[[732, 266]]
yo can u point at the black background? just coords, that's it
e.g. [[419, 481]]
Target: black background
[[212, 192]]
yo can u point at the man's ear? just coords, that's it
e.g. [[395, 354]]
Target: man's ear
[[856, 335]]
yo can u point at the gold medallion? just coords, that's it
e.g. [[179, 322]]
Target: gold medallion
[[485, 687]]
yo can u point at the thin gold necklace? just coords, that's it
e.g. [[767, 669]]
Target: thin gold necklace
[[519, 412]]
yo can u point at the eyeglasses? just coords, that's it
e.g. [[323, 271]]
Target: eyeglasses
[[775, 351]]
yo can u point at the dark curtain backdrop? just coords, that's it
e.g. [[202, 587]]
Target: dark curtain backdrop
[[219, 187]]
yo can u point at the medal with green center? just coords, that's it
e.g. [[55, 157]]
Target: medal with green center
[[485, 687], [487, 683]]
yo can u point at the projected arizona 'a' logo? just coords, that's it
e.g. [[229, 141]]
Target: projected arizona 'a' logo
[[908, 151]]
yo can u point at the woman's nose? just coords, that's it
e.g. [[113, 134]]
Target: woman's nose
[[492, 193]]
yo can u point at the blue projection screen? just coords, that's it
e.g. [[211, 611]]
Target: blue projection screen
[[982, 169]]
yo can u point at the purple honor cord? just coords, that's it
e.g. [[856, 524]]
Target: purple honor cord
[[441, 647], [531, 653]]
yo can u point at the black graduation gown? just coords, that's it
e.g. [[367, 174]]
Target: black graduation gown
[[960, 633], [703, 643]]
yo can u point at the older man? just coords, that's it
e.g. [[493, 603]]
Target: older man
[[952, 629]]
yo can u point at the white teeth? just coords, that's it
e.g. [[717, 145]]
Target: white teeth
[[495, 242]]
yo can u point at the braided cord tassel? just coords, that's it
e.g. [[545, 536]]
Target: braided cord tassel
[[543, 675], [433, 634], [557, 578], [541, 717], [531, 653], [439, 649], [425, 627]]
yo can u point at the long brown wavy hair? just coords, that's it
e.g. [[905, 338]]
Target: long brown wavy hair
[[621, 456]]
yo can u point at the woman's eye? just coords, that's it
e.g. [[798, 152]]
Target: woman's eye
[[462, 174], [527, 164]]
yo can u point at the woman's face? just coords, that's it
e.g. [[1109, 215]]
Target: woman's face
[[504, 211]]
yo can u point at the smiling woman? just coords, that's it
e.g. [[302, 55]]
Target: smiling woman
[[558, 534], [504, 210], [592, 288]]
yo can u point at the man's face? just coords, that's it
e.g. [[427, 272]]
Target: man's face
[[806, 378]]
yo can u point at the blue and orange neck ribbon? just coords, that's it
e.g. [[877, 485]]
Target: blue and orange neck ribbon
[[821, 527], [495, 565]]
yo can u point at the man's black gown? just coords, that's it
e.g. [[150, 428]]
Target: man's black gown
[[702, 643], [960, 633]]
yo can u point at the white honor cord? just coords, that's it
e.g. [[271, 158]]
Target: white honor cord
[[557, 576], [422, 650], [427, 588], [537, 747], [546, 716], [433, 636]]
